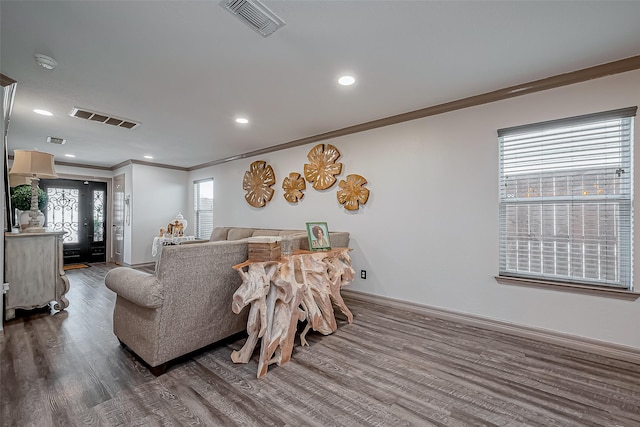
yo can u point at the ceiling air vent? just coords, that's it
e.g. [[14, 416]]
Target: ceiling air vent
[[255, 15], [83, 113], [54, 140]]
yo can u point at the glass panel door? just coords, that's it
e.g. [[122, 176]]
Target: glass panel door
[[79, 208]]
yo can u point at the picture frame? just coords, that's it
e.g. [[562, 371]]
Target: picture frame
[[318, 235]]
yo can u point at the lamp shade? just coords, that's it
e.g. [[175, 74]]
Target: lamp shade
[[33, 163], [15, 180]]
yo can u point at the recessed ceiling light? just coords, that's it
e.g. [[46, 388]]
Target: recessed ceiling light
[[69, 155], [242, 120], [148, 157], [43, 112], [346, 80], [46, 62]]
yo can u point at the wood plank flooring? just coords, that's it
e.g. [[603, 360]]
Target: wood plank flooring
[[388, 368]]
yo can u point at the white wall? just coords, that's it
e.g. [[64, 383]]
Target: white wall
[[157, 195], [429, 233]]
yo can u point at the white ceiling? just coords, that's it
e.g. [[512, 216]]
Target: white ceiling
[[186, 69]]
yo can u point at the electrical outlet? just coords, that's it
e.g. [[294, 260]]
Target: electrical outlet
[[363, 274]]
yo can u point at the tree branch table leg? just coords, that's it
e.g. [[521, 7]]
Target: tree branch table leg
[[278, 302]]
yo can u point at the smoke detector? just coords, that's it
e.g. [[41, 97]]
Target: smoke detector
[[54, 140], [255, 14], [45, 61]]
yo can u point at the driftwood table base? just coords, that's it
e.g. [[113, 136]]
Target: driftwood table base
[[304, 286]]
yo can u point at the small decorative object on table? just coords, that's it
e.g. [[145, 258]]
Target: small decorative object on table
[[286, 246], [175, 229], [318, 234], [264, 248], [182, 221], [178, 226]]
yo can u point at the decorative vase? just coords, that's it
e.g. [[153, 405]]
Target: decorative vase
[[24, 219], [182, 221]]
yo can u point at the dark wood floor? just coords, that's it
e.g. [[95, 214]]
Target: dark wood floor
[[388, 368]]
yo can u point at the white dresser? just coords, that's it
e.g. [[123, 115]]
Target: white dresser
[[33, 268]]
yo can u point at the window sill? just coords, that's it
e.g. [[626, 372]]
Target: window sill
[[570, 287]]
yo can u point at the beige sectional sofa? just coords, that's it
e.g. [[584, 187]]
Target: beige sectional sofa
[[338, 239], [186, 304]]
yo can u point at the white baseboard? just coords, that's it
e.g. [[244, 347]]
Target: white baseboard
[[603, 348]]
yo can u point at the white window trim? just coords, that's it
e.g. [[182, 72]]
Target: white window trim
[[561, 284], [196, 211], [571, 287]]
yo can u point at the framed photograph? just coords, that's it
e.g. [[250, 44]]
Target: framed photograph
[[318, 234]]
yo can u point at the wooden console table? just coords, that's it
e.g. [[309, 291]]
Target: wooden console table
[[33, 268], [298, 287]]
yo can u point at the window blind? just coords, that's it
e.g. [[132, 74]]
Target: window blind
[[203, 207], [565, 194]]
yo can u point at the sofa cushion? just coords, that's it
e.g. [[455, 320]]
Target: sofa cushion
[[297, 238], [288, 232], [239, 233], [219, 233], [257, 233]]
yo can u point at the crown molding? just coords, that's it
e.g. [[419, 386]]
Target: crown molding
[[5, 80], [143, 163], [114, 167]]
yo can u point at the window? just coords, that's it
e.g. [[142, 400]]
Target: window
[[203, 207], [565, 193]]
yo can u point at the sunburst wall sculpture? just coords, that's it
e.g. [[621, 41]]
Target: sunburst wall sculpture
[[323, 167], [293, 187], [257, 183], [353, 193]]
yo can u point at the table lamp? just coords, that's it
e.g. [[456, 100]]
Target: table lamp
[[35, 165]]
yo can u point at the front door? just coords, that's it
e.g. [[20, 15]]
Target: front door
[[79, 208]]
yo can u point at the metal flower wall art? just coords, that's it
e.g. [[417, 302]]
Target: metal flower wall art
[[353, 193], [257, 183], [293, 187], [323, 168]]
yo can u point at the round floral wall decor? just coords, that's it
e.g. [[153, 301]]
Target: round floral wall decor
[[293, 187], [257, 183], [323, 168], [353, 193]]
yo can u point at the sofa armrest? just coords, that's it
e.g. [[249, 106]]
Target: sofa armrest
[[136, 286]]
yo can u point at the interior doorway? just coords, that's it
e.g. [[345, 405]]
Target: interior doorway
[[78, 207]]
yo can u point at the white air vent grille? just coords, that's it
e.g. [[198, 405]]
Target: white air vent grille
[[83, 113], [255, 15], [54, 140]]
